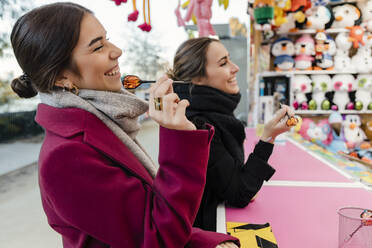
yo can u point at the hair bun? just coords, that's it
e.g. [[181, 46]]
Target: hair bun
[[23, 87]]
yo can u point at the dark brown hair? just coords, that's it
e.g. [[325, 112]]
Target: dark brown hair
[[42, 41], [190, 59]]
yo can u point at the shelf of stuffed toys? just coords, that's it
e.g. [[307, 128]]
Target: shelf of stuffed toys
[[320, 63], [324, 48]]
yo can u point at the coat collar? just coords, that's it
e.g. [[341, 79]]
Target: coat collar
[[67, 122]]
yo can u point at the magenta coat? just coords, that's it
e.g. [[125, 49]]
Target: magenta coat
[[96, 193]]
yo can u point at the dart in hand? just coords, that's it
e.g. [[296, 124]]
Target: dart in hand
[[133, 81], [292, 121]]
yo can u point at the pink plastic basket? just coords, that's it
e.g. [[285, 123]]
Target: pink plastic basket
[[354, 231]]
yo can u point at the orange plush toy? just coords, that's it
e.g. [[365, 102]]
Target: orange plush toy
[[356, 35], [299, 8]]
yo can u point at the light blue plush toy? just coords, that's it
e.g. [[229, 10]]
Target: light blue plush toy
[[338, 141]]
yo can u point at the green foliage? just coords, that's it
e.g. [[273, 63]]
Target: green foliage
[[10, 10], [18, 125], [6, 93]]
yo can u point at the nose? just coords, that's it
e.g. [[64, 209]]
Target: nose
[[115, 52], [234, 68], [352, 125], [303, 87]]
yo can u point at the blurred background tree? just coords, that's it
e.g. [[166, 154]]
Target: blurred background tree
[[6, 93], [143, 54], [10, 11]]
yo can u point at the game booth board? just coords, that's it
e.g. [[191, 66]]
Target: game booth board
[[302, 199]]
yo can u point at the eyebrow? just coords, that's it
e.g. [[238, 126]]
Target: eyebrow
[[95, 40], [224, 57]]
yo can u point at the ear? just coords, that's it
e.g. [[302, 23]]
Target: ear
[[198, 80], [66, 79], [60, 83]]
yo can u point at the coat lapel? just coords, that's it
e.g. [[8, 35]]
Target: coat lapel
[[107, 142], [67, 122]]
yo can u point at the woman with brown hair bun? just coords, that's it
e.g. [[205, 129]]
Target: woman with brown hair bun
[[213, 95], [98, 186]]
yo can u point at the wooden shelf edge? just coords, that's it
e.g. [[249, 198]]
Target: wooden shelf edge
[[313, 31], [289, 73], [322, 112]]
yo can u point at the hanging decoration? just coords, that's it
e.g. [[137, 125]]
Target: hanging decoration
[[225, 3], [203, 13], [200, 12], [146, 26], [177, 12], [132, 17], [118, 2]]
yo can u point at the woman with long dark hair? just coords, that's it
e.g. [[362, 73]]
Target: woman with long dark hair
[[213, 95], [99, 188]]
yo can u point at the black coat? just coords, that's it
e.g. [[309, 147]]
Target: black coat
[[229, 177]]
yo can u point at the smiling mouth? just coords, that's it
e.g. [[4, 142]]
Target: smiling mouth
[[233, 80], [113, 72]]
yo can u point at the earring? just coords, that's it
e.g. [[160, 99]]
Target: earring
[[74, 89]]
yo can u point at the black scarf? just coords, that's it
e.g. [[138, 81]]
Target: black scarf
[[218, 108]]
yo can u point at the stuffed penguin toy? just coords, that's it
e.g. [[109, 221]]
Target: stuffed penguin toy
[[283, 49], [346, 15], [320, 18]]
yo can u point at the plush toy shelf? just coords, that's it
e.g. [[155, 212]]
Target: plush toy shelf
[[290, 73], [322, 112], [313, 31]]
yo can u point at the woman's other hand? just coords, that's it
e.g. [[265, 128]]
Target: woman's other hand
[[277, 125], [172, 110], [227, 245]]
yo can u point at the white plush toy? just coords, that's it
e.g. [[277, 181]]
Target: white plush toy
[[366, 8], [353, 134], [346, 15], [304, 49], [342, 60], [301, 86], [362, 60], [342, 84], [321, 84], [320, 18], [363, 94]]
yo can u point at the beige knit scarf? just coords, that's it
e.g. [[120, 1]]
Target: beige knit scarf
[[118, 110]]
